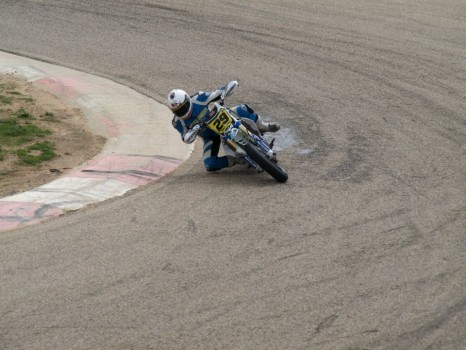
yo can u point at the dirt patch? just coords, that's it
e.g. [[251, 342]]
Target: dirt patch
[[73, 142]]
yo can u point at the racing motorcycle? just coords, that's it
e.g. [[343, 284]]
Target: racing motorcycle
[[241, 138]]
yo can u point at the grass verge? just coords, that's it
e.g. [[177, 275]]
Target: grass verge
[[22, 134]]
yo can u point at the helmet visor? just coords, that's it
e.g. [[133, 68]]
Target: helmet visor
[[183, 108]]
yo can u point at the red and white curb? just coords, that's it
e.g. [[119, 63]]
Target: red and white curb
[[141, 146]]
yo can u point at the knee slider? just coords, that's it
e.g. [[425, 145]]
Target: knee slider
[[244, 111], [209, 164]]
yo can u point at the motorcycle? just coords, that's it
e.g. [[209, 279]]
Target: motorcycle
[[241, 138]]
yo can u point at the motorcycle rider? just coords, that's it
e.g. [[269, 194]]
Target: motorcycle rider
[[188, 111]]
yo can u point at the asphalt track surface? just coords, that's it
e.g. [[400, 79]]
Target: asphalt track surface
[[363, 248]]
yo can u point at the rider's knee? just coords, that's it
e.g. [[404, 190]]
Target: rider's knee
[[210, 164], [244, 111], [249, 109]]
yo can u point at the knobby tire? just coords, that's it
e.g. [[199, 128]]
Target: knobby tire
[[265, 163]]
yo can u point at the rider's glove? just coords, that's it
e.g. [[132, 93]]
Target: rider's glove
[[230, 89], [191, 134]]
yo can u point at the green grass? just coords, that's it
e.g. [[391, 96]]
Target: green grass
[[2, 154], [14, 133], [5, 100], [20, 134], [22, 113], [19, 130], [37, 153]]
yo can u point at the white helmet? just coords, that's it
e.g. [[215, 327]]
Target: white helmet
[[180, 103]]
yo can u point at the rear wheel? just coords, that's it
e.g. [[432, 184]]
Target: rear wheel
[[265, 163]]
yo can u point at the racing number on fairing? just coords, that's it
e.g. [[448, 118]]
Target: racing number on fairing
[[221, 123]]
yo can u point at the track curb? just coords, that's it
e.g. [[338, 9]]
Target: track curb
[[141, 146]]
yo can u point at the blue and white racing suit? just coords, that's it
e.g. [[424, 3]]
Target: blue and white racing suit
[[212, 141]]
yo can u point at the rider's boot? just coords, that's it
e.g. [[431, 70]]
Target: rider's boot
[[235, 160], [232, 161], [267, 127]]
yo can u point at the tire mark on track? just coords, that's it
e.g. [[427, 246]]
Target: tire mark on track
[[426, 331], [326, 323]]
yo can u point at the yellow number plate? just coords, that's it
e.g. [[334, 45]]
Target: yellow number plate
[[221, 123]]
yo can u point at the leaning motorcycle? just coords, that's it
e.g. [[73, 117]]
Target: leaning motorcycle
[[241, 138]]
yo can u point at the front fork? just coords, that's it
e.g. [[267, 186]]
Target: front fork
[[264, 146]]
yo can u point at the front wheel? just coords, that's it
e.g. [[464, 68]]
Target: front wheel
[[265, 163]]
